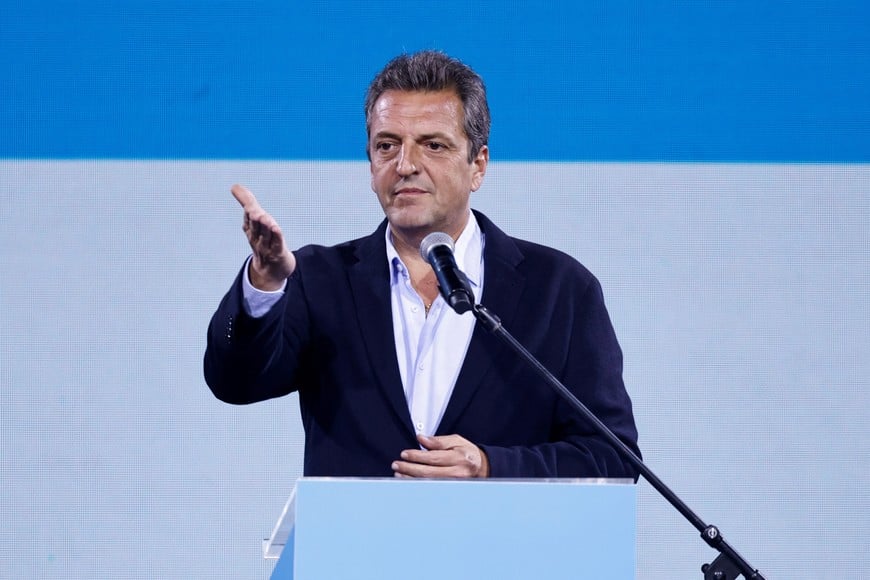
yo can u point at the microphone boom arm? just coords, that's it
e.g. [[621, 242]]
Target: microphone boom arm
[[729, 564]]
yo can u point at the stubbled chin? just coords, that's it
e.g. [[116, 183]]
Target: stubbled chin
[[407, 212], [408, 216]]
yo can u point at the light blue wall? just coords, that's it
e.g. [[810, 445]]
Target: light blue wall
[[739, 290]]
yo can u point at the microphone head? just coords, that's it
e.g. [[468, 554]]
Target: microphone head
[[432, 240]]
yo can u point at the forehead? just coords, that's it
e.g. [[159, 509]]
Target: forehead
[[417, 111]]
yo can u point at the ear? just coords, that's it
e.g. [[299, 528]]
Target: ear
[[478, 168]]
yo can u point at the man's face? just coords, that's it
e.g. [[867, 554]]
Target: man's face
[[419, 162]]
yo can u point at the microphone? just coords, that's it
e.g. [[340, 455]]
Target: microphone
[[437, 249]]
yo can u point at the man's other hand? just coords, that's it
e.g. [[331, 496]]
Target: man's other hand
[[443, 456]]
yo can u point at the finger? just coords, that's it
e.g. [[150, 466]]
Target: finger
[[441, 441], [244, 196], [402, 469], [437, 458], [406, 469], [258, 227], [263, 249], [262, 224]]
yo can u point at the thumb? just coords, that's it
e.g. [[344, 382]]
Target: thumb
[[244, 196]]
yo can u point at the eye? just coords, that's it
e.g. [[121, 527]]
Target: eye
[[435, 146], [383, 146]]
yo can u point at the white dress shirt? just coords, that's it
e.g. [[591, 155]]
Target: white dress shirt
[[430, 349]]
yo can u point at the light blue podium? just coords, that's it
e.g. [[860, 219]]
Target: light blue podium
[[360, 529]]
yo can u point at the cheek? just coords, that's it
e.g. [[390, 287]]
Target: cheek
[[378, 178], [373, 171], [462, 181], [381, 189]]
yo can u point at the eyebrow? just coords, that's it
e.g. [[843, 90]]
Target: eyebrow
[[439, 136], [424, 137]]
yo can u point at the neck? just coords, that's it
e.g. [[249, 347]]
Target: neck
[[408, 247]]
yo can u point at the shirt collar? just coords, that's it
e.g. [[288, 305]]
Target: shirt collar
[[468, 252]]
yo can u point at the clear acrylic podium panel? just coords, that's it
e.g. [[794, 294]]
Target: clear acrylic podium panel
[[347, 528]]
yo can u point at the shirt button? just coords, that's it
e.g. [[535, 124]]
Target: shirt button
[[414, 309], [419, 426]]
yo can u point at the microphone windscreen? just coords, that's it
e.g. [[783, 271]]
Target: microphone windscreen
[[432, 240]]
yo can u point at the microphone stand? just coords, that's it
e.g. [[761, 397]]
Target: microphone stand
[[729, 564]]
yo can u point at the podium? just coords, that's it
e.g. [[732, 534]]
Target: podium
[[373, 528]]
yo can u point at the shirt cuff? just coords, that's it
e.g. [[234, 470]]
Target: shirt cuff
[[258, 302]]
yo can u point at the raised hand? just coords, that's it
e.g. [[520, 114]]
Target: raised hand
[[273, 262]]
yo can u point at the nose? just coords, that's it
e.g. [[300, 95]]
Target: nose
[[406, 164]]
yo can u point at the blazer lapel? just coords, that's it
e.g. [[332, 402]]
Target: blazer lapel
[[370, 285], [502, 288]]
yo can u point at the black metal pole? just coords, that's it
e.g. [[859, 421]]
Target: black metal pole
[[729, 562]]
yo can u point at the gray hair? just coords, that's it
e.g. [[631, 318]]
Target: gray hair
[[431, 70]]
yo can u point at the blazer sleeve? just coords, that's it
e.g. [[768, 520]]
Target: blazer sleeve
[[253, 359]]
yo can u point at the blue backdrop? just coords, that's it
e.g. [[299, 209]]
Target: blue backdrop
[[708, 161], [615, 80]]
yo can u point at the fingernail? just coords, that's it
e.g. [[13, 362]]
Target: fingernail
[[394, 466], [403, 455]]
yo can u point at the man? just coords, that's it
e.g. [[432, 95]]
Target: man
[[391, 381]]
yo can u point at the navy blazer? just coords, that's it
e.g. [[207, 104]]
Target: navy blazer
[[330, 338]]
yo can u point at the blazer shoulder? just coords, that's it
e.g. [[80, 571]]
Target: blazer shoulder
[[549, 262], [528, 256], [343, 254]]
